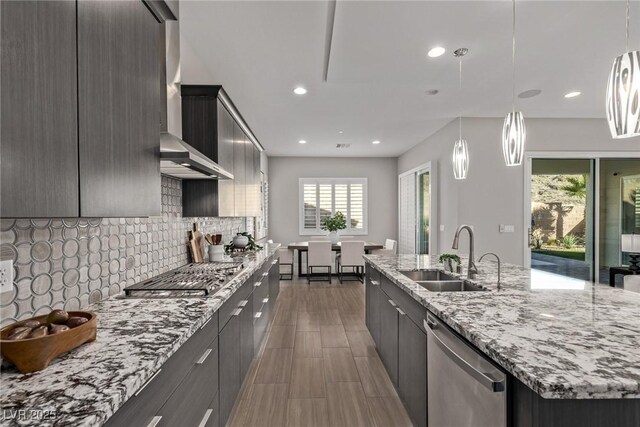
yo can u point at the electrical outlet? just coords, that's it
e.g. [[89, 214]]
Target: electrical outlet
[[441, 227], [507, 228], [6, 276]]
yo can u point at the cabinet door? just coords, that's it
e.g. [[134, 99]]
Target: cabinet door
[[249, 174], [190, 403], [238, 170], [246, 336], [226, 190], [388, 347], [412, 369], [274, 282], [229, 339], [39, 155], [118, 109], [374, 300]]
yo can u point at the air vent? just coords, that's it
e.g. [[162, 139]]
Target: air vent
[[343, 145]]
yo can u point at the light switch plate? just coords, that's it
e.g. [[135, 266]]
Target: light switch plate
[[6, 276], [507, 228], [441, 227]]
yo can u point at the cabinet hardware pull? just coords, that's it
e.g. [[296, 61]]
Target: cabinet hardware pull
[[203, 357], [206, 323], [274, 262], [265, 274], [265, 300], [205, 418], [147, 383], [237, 312], [393, 303], [257, 284], [243, 303], [258, 314], [402, 313], [154, 421], [375, 283]]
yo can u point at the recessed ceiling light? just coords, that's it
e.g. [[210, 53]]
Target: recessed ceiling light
[[436, 51], [299, 90], [340, 132], [433, 92], [302, 141], [185, 164], [529, 93], [572, 94], [375, 142]]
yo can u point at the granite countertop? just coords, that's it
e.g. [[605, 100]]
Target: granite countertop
[[564, 338], [135, 337]]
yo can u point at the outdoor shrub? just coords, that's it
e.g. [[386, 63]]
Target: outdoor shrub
[[570, 241]]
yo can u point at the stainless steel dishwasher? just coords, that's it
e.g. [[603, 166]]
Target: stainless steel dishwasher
[[464, 388]]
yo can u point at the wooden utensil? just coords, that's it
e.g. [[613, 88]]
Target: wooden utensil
[[196, 255], [218, 239], [34, 354], [198, 237]]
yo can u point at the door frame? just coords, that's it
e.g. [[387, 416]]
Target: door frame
[[596, 156], [432, 168]]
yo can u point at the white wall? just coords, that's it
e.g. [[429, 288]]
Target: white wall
[[492, 194], [283, 192]]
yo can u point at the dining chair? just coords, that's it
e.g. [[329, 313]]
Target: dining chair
[[319, 256], [351, 257], [286, 259], [632, 283], [390, 248]]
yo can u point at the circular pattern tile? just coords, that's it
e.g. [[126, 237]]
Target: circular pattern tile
[[70, 248], [114, 266], [24, 253], [41, 251], [94, 244], [40, 234], [7, 224], [8, 237], [94, 271], [70, 222], [72, 304], [114, 242], [10, 250], [71, 277], [130, 262], [41, 223], [41, 284]]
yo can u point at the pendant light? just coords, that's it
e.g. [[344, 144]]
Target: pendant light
[[623, 90], [460, 150], [513, 130]]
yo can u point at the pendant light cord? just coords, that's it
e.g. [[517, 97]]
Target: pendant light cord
[[627, 27], [513, 56], [460, 92]]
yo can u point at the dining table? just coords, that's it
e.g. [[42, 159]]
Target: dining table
[[301, 247]]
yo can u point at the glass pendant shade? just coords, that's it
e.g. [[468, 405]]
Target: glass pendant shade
[[513, 138], [460, 159], [623, 90]]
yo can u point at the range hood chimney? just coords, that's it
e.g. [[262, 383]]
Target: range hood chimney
[[177, 157]]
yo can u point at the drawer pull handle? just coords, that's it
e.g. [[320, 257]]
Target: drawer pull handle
[[243, 303], [402, 313], [265, 300], [205, 418], [258, 314], [147, 383], [203, 357], [237, 312], [274, 262], [206, 323], [375, 283], [257, 284], [154, 421], [393, 303], [265, 274]]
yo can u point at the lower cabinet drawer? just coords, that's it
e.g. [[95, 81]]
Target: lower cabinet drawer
[[141, 408], [192, 401]]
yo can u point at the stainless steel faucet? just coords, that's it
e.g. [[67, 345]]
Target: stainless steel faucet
[[498, 258], [472, 270]]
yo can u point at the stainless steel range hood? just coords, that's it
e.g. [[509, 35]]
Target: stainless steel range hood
[[178, 158]]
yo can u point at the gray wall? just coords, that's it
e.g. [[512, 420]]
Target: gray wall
[[72, 262], [283, 192], [492, 194]]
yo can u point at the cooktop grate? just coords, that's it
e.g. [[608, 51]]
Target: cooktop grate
[[197, 278]]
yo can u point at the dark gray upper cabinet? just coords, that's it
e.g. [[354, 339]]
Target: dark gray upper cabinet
[[118, 109], [226, 187], [239, 166], [39, 155]]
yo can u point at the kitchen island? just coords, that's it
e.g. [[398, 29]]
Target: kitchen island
[[136, 337], [566, 344]]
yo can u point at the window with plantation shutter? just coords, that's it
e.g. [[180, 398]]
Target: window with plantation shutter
[[323, 197]]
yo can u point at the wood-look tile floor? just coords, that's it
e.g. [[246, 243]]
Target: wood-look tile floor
[[318, 365]]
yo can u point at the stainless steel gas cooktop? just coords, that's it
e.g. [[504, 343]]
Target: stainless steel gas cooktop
[[190, 280]]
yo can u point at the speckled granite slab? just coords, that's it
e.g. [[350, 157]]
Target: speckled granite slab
[[135, 337], [564, 338]]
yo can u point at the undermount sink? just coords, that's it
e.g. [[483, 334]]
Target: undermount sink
[[428, 275], [449, 286]]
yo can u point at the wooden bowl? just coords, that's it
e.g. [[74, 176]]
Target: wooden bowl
[[34, 354]]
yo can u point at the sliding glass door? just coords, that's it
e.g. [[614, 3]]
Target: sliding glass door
[[416, 189], [578, 210]]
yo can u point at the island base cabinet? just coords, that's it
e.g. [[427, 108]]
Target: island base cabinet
[[230, 380], [195, 401], [372, 307], [412, 369], [388, 348], [246, 336]]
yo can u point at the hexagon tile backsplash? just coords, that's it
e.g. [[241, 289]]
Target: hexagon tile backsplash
[[72, 262]]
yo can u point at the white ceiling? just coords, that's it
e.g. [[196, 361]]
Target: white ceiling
[[379, 72]]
